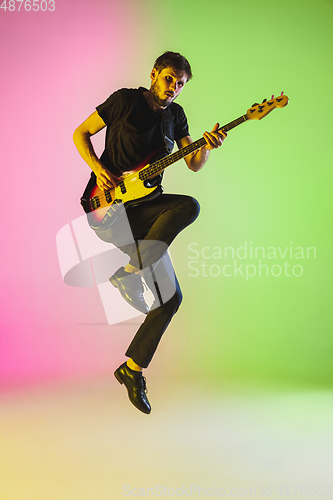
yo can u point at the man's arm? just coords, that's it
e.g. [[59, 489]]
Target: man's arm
[[196, 160], [81, 137]]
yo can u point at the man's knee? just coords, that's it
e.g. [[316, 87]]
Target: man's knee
[[191, 205]]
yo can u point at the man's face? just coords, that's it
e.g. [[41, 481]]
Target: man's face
[[166, 85]]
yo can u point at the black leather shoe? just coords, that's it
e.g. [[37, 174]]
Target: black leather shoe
[[135, 384], [131, 288]]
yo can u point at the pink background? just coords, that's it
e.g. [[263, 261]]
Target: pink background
[[56, 67]]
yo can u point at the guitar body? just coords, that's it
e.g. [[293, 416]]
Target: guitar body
[[129, 191], [144, 184]]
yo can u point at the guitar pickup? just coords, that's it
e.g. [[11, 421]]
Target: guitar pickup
[[108, 196], [95, 203], [122, 187]]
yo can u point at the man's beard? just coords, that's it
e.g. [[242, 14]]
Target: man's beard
[[155, 91]]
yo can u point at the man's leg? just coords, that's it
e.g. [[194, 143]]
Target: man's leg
[[160, 221], [147, 338], [155, 224]]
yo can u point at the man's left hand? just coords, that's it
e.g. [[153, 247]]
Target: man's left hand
[[214, 139]]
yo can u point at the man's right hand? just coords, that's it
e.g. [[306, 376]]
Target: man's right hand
[[104, 179]]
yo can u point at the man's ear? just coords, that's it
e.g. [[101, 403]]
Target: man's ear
[[153, 74]]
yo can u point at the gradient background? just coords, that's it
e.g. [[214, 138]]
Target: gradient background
[[243, 362]]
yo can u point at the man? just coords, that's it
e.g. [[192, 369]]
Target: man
[[140, 122]]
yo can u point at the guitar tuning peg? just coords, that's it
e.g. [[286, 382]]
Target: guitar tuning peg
[[264, 100], [272, 96], [255, 104], [282, 93]]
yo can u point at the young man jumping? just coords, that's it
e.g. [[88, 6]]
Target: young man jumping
[[139, 123]]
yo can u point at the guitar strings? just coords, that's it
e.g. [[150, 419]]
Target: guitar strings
[[160, 165]]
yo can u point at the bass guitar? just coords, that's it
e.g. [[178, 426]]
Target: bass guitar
[[136, 186]]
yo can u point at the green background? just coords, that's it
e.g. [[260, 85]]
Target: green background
[[269, 186]]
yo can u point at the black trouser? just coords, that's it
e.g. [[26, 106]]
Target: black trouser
[[153, 222]]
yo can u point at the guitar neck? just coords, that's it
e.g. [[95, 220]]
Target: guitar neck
[[158, 166]]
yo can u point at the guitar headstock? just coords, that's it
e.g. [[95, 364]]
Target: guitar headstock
[[258, 111]]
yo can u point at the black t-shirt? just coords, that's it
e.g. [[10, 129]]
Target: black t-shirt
[[134, 133]]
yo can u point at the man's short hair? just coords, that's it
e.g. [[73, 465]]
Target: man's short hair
[[175, 61]]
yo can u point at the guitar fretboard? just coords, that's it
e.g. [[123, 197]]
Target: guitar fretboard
[[158, 166]]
